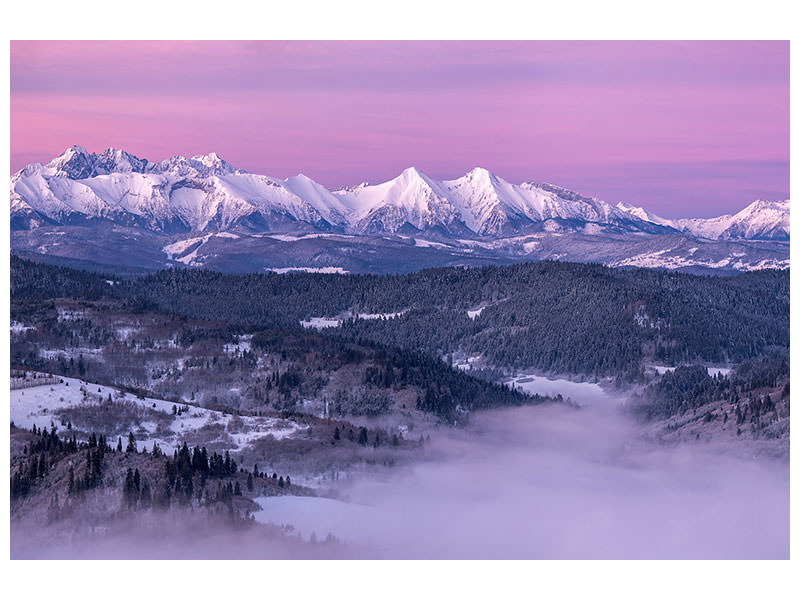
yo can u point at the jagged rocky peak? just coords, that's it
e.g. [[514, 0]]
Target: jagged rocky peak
[[479, 202], [77, 163], [200, 165], [112, 160]]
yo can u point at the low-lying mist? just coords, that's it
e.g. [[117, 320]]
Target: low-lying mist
[[550, 482]]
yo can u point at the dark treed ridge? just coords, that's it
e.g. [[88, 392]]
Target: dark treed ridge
[[559, 317]]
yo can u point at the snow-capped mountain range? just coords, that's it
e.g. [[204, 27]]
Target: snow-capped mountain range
[[205, 194]]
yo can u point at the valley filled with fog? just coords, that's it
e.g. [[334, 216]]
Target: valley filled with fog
[[556, 482]]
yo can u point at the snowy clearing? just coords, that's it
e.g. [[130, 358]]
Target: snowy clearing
[[41, 405], [324, 322], [475, 312], [320, 323], [328, 270], [713, 371]]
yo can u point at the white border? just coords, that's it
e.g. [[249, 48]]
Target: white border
[[412, 19]]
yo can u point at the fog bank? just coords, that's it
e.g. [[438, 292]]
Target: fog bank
[[549, 482]]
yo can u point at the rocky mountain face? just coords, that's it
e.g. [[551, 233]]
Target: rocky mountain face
[[78, 196]]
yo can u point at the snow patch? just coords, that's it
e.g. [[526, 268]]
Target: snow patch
[[329, 270]]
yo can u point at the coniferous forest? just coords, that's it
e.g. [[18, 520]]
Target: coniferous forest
[[555, 317]]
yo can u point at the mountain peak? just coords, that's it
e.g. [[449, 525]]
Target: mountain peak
[[760, 204], [413, 171], [75, 162], [68, 154], [210, 159], [178, 189], [199, 165], [479, 172]]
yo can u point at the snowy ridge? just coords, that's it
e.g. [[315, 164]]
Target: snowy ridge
[[760, 220], [205, 193]]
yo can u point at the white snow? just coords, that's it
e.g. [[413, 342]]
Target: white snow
[[39, 405], [713, 371], [320, 323], [19, 327], [429, 244], [204, 192], [329, 270], [759, 219], [323, 322], [374, 316], [70, 315], [242, 345], [176, 249], [466, 365], [674, 258], [475, 312]]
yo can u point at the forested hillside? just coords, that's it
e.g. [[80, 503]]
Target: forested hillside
[[559, 317]]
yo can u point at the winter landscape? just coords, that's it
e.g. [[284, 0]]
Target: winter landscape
[[209, 361]]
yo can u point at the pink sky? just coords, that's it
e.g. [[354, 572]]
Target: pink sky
[[682, 128]]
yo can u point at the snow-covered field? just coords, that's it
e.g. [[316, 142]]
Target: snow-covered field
[[475, 312], [373, 316], [328, 270], [19, 327], [41, 405], [662, 259], [177, 248], [323, 322], [466, 364], [75, 353], [241, 345], [429, 244], [713, 371], [320, 323]]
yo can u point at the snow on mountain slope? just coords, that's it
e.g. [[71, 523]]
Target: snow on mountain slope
[[759, 220], [205, 193], [40, 405], [179, 194], [77, 163], [411, 197], [58, 198], [644, 215], [203, 165], [327, 204], [488, 204], [493, 206]]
